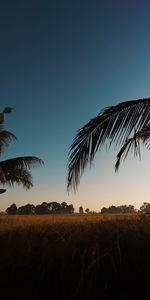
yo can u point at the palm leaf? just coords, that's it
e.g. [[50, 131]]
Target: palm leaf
[[19, 176], [114, 125], [2, 191], [2, 176], [134, 144], [21, 162], [7, 110], [5, 138], [15, 170]]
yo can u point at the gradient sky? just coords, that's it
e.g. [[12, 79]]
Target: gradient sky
[[61, 62]]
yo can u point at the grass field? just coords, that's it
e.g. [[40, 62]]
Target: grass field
[[75, 256]]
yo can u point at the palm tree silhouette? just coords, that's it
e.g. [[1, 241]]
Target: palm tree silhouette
[[14, 170], [125, 124]]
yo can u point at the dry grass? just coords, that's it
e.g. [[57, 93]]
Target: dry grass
[[73, 255], [11, 221]]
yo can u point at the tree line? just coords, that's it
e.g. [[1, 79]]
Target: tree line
[[120, 209], [41, 209], [144, 208], [64, 208]]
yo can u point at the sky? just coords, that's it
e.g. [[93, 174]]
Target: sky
[[61, 63]]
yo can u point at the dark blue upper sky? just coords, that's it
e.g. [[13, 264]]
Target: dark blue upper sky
[[61, 62]]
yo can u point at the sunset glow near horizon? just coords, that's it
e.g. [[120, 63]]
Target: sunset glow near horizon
[[62, 62]]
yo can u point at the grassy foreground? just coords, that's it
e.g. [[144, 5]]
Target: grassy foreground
[[74, 256]]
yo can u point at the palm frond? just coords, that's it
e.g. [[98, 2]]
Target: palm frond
[[134, 144], [2, 176], [114, 125], [6, 110], [21, 162], [2, 191], [5, 138], [19, 176], [15, 170], [1, 119]]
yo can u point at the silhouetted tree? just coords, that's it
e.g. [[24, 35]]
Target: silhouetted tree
[[118, 209], [42, 209], [81, 210], [15, 170], [114, 209], [145, 208], [87, 210], [12, 209], [69, 209], [54, 207], [125, 124], [28, 209], [63, 207], [48, 208], [127, 209], [104, 210]]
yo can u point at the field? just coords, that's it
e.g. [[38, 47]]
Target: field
[[75, 256]]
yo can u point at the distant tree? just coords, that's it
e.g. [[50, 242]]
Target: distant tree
[[118, 209], [42, 209], [54, 207], [145, 208], [132, 209], [87, 210], [66, 209], [12, 209], [104, 210], [70, 209], [114, 209], [48, 208], [127, 209], [81, 210], [3, 213], [38, 210], [63, 207], [28, 209]]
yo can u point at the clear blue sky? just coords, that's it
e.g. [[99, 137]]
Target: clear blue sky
[[61, 62]]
